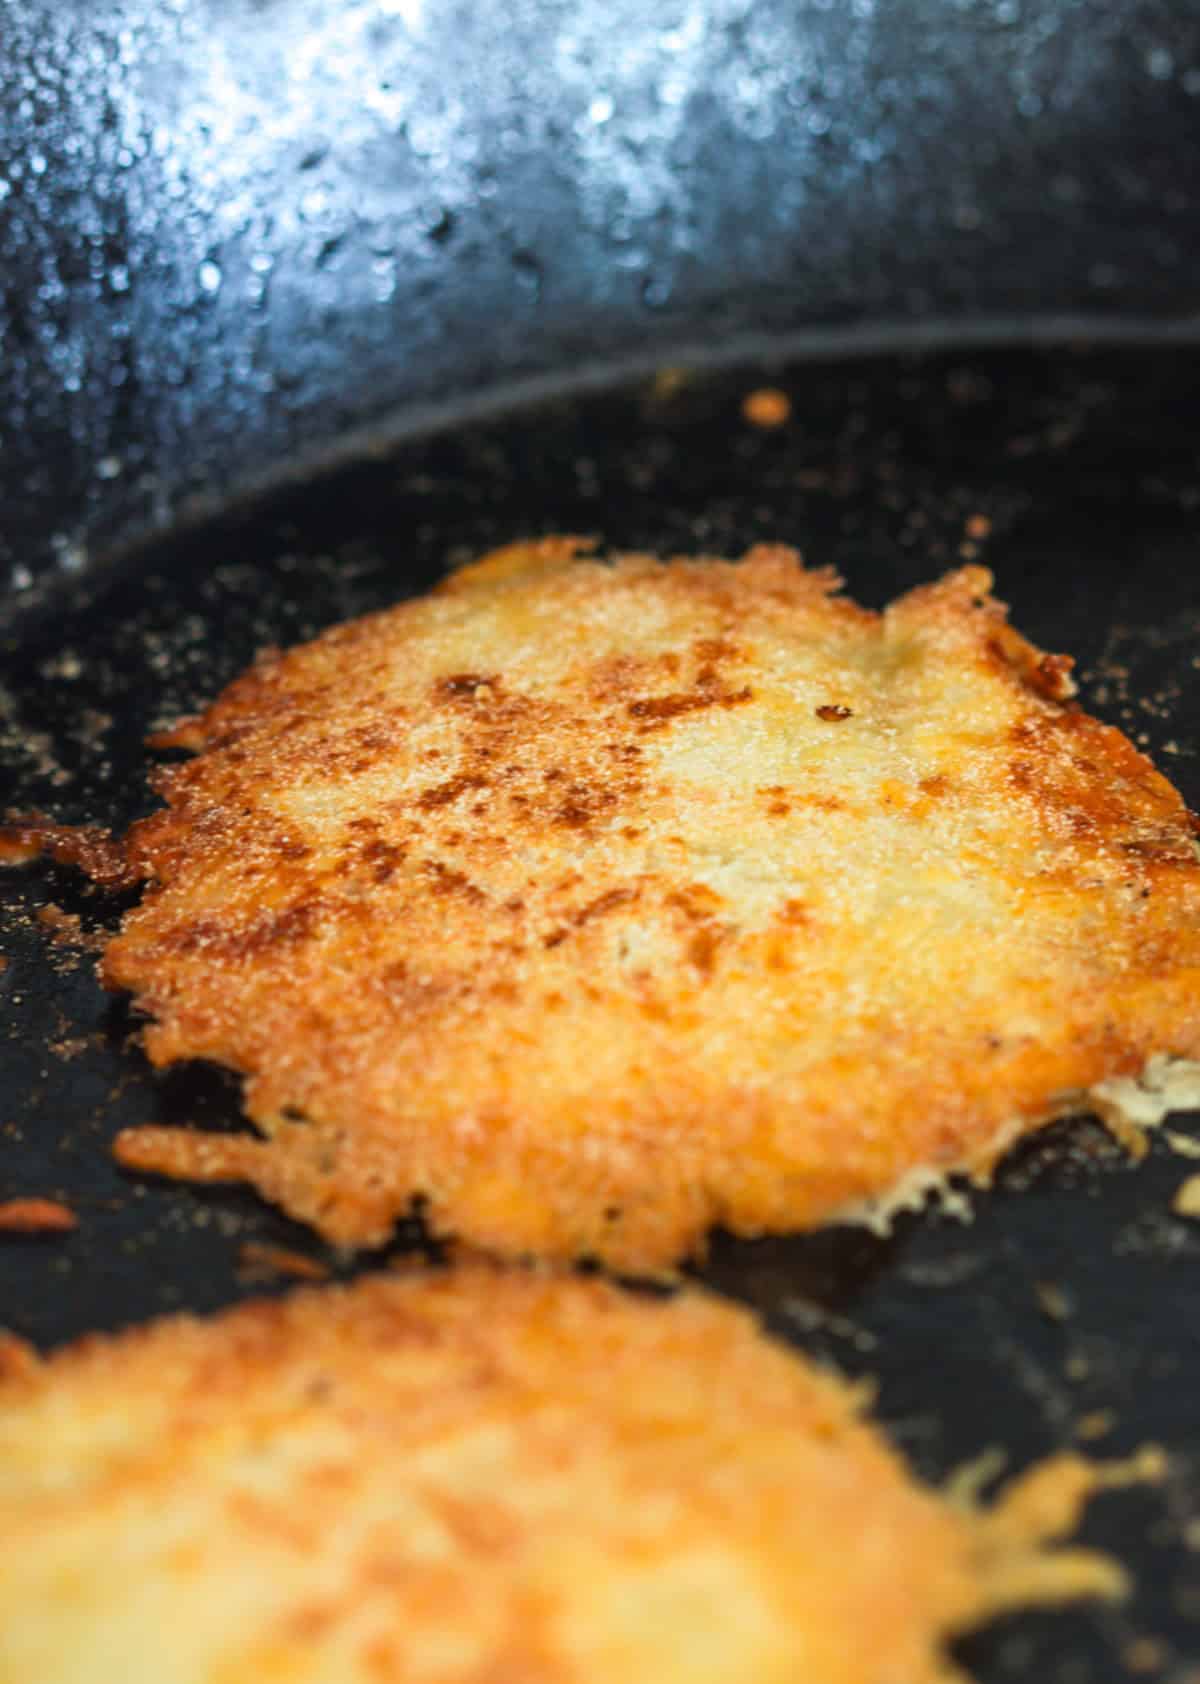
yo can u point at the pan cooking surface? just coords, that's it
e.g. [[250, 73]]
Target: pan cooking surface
[[1065, 1311]]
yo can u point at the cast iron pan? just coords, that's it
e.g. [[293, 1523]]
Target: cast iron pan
[[1067, 1305], [233, 233]]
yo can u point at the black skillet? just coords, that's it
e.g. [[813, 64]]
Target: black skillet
[[1067, 1305], [412, 245]]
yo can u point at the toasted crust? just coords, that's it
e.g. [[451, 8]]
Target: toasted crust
[[478, 1477], [596, 904]]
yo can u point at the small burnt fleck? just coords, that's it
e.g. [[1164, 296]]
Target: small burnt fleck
[[655, 711], [603, 904], [702, 949], [1054, 676], [291, 848], [833, 711], [441, 795], [461, 686], [445, 880], [695, 900], [384, 858], [583, 803]]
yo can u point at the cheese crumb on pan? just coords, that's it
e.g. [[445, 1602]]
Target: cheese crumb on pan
[[36, 1216], [477, 1476], [1187, 1197], [596, 904]]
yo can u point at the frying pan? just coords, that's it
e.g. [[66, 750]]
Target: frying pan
[[350, 446]]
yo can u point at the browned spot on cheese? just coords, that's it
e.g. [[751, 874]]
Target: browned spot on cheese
[[445, 880], [709, 650], [291, 849], [441, 795], [462, 686], [708, 692], [384, 858], [584, 803], [1047, 675], [1054, 675], [702, 948], [211, 935], [607, 902]]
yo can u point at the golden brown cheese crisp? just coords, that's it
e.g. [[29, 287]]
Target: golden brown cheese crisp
[[596, 904], [480, 1478]]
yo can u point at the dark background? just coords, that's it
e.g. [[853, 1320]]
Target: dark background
[[234, 231]]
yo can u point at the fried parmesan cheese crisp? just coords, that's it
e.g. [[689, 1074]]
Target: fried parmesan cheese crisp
[[597, 904], [475, 1477]]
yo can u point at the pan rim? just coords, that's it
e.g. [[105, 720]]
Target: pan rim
[[96, 559]]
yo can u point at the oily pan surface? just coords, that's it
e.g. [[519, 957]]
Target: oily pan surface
[[594, 904], [470, 1477]]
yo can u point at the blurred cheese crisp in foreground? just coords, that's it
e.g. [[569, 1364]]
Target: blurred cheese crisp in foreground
[[595, 904], [474, 1476]]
